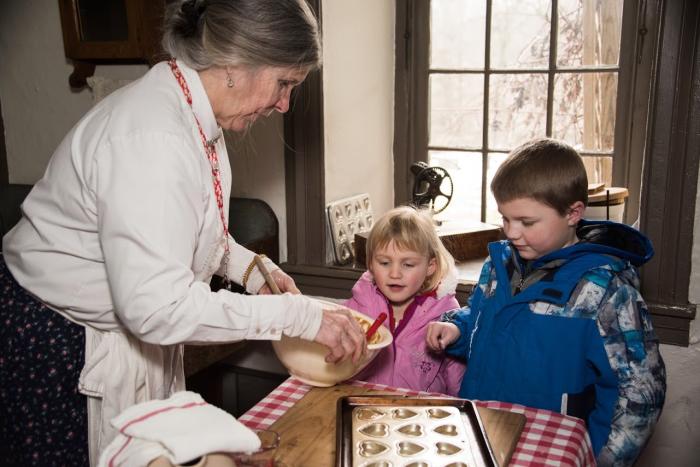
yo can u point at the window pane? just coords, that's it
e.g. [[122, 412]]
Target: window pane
[[584, 110], [520, 33], [598, 169], [494, 162], [517, 109], [465, 170], [589, 32], [457, 30], [456, 103]]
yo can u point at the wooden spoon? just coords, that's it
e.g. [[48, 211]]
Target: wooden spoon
[[266, 274]]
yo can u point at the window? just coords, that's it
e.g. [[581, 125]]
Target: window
[[488, 75]]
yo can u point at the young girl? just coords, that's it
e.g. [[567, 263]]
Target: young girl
[[412, 278]]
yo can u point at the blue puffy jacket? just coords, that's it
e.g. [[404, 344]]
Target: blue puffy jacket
[[568, 332]]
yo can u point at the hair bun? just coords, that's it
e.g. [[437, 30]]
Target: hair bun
[[190, 14]]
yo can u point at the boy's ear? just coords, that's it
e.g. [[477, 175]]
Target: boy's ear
[[575, 213]]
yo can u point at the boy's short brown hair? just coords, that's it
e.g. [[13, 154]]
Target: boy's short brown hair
[[544, 169]]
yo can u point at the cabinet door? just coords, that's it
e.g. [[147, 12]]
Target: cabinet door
[[110, 31]]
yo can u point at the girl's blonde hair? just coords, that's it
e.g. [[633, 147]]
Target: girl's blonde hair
[[411, 229]]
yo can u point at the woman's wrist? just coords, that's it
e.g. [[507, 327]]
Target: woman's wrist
[[246, 275], [253, 279], [249, 271]]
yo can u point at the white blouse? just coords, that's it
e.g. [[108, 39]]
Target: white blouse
[[123, 231]]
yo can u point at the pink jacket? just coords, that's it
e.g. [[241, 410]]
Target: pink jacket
[[408, 363]]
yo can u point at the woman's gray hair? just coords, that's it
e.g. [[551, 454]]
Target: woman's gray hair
[[205, 33]]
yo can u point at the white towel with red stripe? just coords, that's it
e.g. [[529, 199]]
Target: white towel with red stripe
[[181, 428]]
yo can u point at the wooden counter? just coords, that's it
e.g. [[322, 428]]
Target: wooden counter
[[307, 430], [307, 426]]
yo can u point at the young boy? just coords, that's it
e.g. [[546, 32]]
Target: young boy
[[557, 321]]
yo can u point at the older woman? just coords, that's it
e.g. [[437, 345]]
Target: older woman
[[107, 273]]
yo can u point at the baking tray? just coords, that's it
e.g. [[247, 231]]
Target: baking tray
[[392, 431]]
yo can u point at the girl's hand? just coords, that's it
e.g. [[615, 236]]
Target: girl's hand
[[343, 336], [283, 281], [440, 335]]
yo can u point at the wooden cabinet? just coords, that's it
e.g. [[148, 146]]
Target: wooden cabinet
[[110, 31]]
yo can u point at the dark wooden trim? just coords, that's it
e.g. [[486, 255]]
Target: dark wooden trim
[[4, 171], [686, 312], [672, 323], [676, 334], [463, 293], [671, 164], [402, 99], [324, 281], [304, 170], [410, 141], [640, 21]]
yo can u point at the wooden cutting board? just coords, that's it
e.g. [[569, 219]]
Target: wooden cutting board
[[307, 430], [503, 430]]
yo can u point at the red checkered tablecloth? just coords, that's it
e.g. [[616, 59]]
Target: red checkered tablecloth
[[548, 438]]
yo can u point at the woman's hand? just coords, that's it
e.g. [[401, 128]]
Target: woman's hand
[[440, 335], [341, 333], [283, 281]]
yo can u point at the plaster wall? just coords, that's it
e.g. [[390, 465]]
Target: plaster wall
[[37, 104], [358, 87]]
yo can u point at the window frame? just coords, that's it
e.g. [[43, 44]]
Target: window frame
[[304, 169]]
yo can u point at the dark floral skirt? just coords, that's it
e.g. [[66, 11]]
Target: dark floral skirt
[[43, 417]]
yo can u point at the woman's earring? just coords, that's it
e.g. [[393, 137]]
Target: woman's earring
[[229, 81]]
